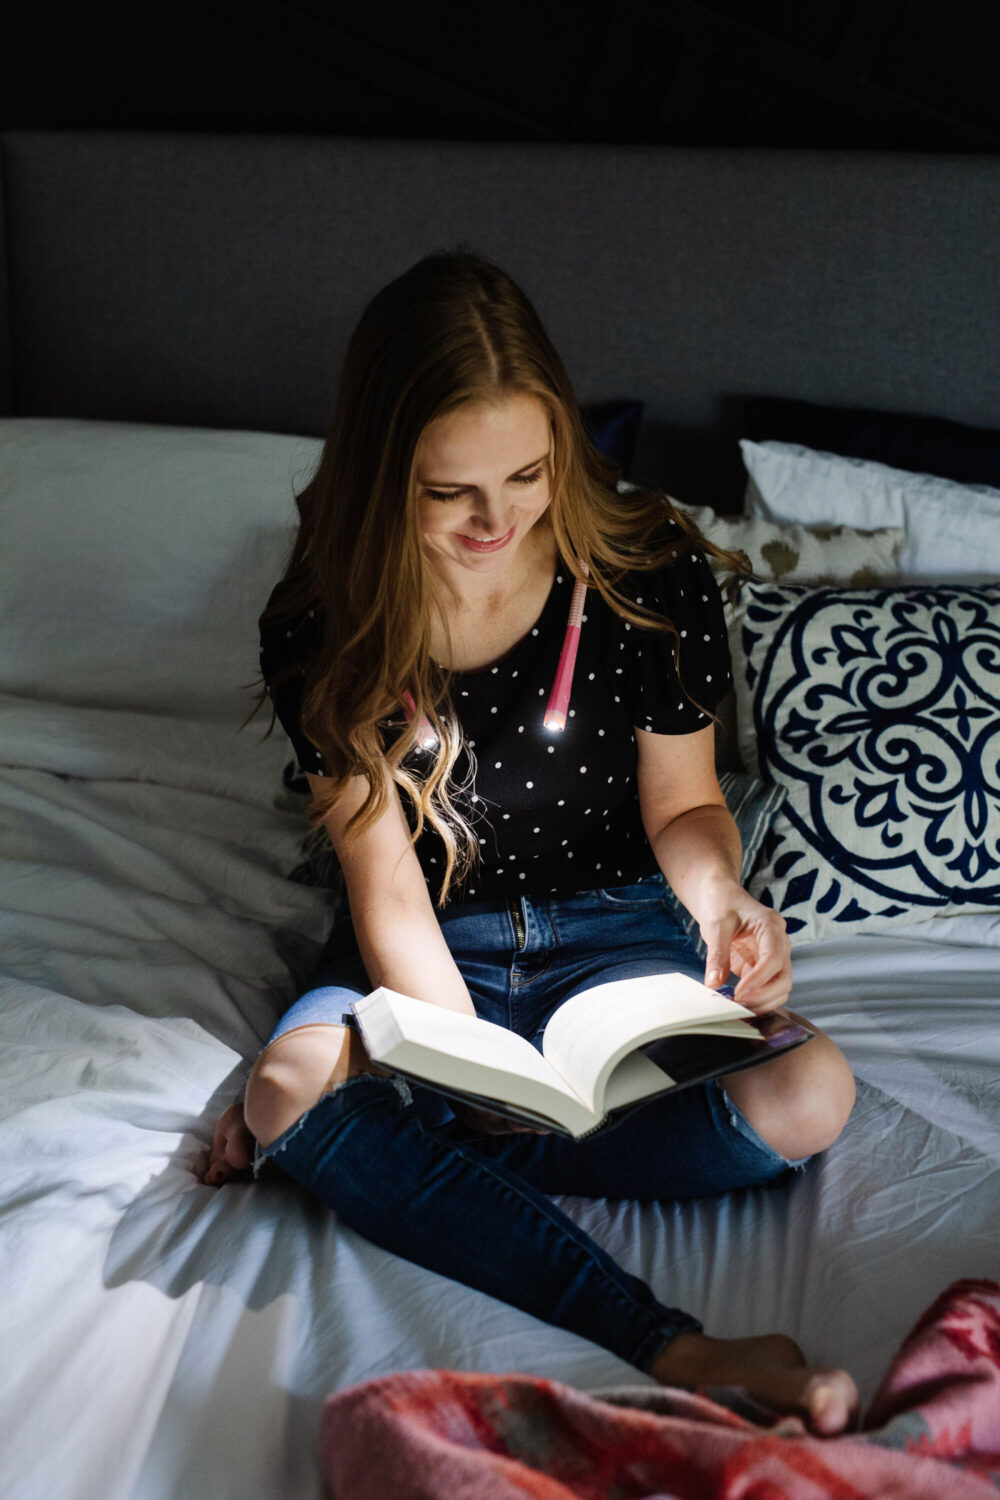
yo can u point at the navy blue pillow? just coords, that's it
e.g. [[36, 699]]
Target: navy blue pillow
[[613, 428], [922, 445]]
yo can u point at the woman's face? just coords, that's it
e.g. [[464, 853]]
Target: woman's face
[[483, 477]]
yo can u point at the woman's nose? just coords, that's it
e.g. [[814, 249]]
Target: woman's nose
[[492, 517]]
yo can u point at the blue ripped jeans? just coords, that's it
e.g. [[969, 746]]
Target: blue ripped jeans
[[396, 1164]]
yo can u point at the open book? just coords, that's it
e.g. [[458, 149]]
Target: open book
[[603, 1050]]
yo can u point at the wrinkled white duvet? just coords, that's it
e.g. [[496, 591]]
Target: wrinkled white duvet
[[161, 1338]]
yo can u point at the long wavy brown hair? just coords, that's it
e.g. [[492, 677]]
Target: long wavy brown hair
[[454, 329]]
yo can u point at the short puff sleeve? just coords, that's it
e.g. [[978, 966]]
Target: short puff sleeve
[[292, 642], [686, 592]]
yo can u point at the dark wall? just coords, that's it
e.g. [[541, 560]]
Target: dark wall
[[856, 74]]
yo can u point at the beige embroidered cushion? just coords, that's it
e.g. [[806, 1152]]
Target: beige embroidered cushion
[[816, 554]]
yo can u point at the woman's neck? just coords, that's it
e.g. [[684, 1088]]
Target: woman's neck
[[473, 596], [486, 622]]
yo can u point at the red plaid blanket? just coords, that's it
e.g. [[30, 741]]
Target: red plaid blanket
[[932, 1433]]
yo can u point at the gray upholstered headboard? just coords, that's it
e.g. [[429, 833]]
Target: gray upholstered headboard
[[211, 280]]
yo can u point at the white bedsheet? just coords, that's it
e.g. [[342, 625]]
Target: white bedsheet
[[164, 1339]]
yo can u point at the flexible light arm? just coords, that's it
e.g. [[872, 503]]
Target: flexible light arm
[[558, 705], [557, 710]]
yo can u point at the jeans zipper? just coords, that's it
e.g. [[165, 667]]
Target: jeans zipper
[[518, 921]]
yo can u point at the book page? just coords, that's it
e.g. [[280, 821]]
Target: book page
[[464, 1052], [593, 1031], [635, 1077]]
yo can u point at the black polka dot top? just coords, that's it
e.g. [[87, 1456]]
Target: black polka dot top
[[556, 813]]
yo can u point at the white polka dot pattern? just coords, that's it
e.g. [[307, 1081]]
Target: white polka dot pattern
[[625, 680]]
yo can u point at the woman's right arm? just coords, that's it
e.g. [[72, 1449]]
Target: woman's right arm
[[399, 938], [395, 925], [402, 947]]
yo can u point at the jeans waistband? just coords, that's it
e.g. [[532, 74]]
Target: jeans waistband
[[534, 923]]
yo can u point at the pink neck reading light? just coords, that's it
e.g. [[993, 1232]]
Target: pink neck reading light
[[557, 710], [558, 705], [426, 737]]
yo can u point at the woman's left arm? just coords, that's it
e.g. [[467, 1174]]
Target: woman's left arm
[[696, 844]]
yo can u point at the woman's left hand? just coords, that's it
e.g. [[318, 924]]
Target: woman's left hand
[[490, 1124], [749, 940]]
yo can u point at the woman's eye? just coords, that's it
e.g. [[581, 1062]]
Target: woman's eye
[[456, 494]]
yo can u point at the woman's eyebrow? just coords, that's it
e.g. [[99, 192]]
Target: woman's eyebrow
[[450, 484]]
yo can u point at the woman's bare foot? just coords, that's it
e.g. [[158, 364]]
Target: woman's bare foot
[[772, 1368], [231, 1154]]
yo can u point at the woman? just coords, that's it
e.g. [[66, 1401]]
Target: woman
[[493, 865]]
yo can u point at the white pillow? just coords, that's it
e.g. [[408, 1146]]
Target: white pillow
[[137, 558], [802, 554], [952, 530]]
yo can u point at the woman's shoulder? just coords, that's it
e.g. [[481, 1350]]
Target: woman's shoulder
[[670, 555], [290, 632], [674, 580]]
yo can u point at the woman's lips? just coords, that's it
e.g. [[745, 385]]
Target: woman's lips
[[476, 546]]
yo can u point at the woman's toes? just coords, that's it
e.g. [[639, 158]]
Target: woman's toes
[[831, 1402], [239, 1151]]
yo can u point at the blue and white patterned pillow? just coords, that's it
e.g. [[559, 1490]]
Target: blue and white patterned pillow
[[879, 711]]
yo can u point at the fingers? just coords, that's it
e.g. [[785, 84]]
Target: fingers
[[500, 1125], [751, 943], [718, 938], [770, 995], [765, 968], [491, 1124], [717, 968]]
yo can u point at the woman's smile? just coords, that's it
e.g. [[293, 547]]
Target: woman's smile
[[485, 543], [483, 481]]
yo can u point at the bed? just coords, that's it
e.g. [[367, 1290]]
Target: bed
[[175, 308]]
